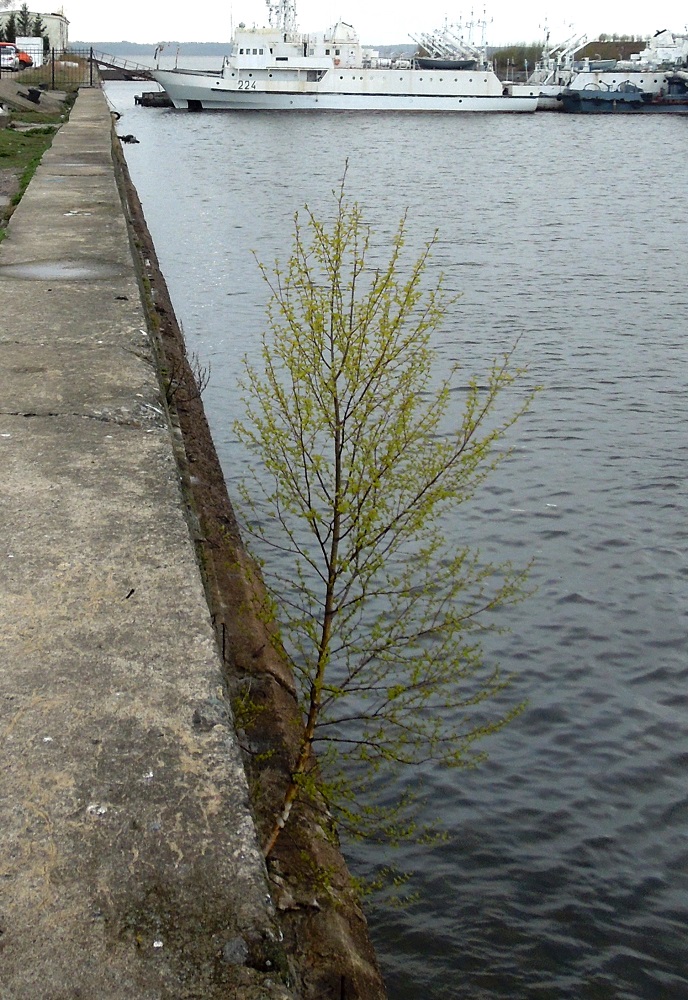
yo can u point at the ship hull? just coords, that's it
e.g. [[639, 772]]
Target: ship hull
[[195, 91], [622, 103]]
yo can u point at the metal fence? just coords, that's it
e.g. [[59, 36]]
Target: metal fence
[[73, 67], [57, 69]]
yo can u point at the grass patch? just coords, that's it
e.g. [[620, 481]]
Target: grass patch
[[37, 118], [21, 150]]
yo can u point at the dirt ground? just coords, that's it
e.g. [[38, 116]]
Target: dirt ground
[[9, 185]]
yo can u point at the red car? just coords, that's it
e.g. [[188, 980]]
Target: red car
[[13, 58]]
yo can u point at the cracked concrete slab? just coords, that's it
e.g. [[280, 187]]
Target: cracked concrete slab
[[16, 96], [118, 315], [77, 378], [129, 861]]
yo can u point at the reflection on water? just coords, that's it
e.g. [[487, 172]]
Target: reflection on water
[[565, 871]]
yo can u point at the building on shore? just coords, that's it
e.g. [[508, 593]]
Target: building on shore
[[56, 26]]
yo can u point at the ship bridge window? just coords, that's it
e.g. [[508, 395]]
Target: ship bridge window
[[327, 52], [241, 52], [255, 52], [261, 51], [281, 58], [336, 52]]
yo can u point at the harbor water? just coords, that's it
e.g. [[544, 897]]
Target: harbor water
[[565, 869]]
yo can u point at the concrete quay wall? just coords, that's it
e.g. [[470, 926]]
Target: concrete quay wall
[[129, 850], [129, 863]]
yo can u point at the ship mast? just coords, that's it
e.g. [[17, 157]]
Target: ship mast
[[282, 14]]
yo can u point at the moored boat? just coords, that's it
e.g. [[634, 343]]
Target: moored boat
[[558, 70], [281, 68], [672, 98]]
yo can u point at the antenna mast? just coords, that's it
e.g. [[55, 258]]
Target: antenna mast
[[281, 14]]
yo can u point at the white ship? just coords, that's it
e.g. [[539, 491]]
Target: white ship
[[280, 68], [645, 71]]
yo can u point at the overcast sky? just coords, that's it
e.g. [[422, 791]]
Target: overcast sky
[[377, 21]]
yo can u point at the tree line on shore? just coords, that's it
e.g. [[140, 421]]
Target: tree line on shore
[[24, 24], [521, 57]]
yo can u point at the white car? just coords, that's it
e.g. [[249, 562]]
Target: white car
[[9, 56]]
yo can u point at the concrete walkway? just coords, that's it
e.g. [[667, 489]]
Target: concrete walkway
[[128, 861]]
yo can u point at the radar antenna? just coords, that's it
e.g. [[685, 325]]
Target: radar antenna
[[281, 14]]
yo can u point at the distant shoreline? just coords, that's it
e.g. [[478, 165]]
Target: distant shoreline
[[200, 48], [140, 48]]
